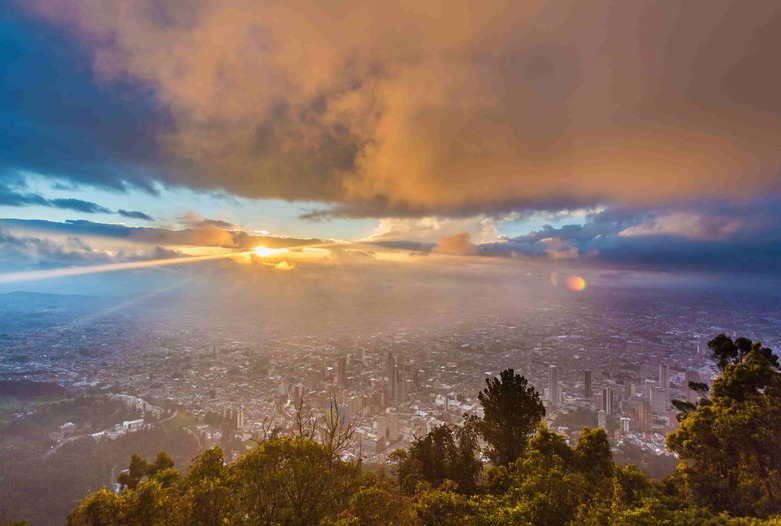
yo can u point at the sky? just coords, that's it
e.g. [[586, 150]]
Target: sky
[[545, 138]]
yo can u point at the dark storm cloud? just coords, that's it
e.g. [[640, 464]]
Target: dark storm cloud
[[404, 108], [57, 121], [701, 236], [15, 195]]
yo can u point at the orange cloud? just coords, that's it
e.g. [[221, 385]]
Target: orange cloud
[[418, 108], [456, 245]]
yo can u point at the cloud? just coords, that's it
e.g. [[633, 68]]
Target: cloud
[[79, 205], [135, 215], [15, 194], [688, 225], [416, 109], [456, 245], [202, 237], [483, 228], [27, 251], [192, 219], [669, 239]]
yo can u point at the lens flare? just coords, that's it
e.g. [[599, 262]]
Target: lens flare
[[576, 283]]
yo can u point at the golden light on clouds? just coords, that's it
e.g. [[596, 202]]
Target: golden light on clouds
[[265, 252]]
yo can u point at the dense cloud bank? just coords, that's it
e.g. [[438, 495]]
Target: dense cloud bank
[[413, 108]]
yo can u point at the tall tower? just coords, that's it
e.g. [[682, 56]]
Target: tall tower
[[645, 417], [390, 373], [664, 376], [401, 384], [608, 401], [342, 371], [587, 392], [553, 386]]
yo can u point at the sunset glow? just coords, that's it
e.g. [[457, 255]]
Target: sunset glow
[[265, 252]]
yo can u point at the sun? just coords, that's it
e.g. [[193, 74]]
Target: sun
[[265, 252]]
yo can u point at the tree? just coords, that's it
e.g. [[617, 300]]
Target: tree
[[291, 481], [729, 446], [512, 411], [447, 452], [135, 472]]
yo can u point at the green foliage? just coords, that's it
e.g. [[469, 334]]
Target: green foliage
[[512, 411], [730, 446], [446, 453]]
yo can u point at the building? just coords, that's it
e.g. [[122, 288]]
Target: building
[[608, 401], [692, 396], [630, 390], [659, 400], [645, 417], [601, 419], [390, 374], [587, 392], [625, 424], [664, 376], [553, 386], [341, 371], [401, 381]]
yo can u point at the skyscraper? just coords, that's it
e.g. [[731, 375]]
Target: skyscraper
[[658, 400], [390, 373], [645, 417], [401, 380], [664, 376], [608, 401], [587, 392], [342, 371], [553, 386]]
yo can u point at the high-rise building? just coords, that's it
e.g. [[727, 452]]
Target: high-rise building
[[664, 376], [630, 390], [691, 395], [390, 373], [608, 401], [401, 380], [553, 386], [602, 419], [587, 392], [240, 418], [392, 420], [342, 371], [625, 424], [658, 400], [645, 417]]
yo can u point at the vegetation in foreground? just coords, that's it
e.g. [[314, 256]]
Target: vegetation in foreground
[[729, 471]]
